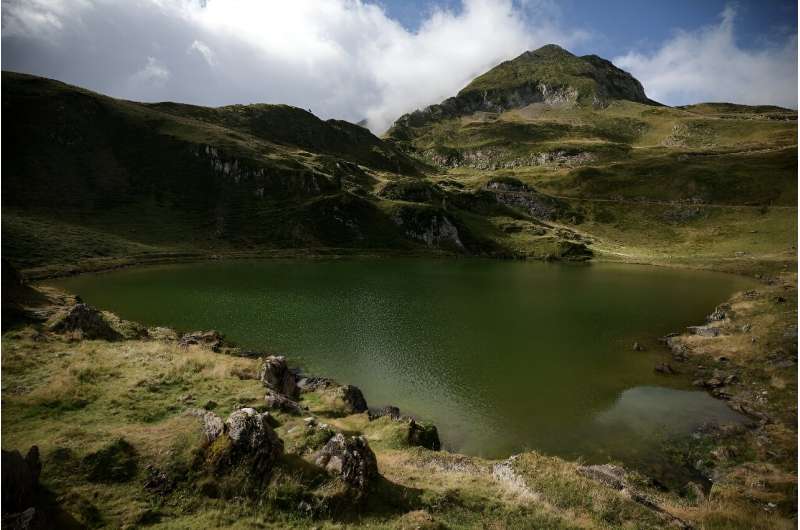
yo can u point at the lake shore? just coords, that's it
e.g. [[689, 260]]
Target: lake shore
[[751, 468]]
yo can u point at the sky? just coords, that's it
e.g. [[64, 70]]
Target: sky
[[378, 59]]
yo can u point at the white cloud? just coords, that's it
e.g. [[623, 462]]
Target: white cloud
[[708, 65], [154, 73], [341, 58], [205, 52]]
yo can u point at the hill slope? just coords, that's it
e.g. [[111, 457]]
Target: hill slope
[[549, 155]]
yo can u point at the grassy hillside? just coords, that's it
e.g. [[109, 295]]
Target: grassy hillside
[[96, 182]]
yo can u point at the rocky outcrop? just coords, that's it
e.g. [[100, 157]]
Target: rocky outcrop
[[492, 158], [431, 226], [423, 435], [517, 195], [265, 182], [211, 339], [87, 320], [351, 459], [275, 375]]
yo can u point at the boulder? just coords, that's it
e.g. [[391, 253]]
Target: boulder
[[212, 425], [607, 474], [280, 402], [88, 321], [312, 384], [253, 439], [351, 459], [208, 339], [720, 313], [352, 397], [703, 331], [637, 346], [389, 410], [275, 375], [423, 435]]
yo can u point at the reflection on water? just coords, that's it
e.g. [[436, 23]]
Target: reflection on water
[[646, 410], [502, 356]]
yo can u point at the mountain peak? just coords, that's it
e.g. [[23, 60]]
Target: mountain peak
[[548, 50], [550, 75], [552, 69]]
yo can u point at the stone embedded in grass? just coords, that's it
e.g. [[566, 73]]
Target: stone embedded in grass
[[162, 334], [351, 459], [212, 425], [275, 374], [211, 339], [87, 320], [280, 402], [389, 410]]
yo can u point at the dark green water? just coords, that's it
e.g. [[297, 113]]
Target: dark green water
[[502, 356]]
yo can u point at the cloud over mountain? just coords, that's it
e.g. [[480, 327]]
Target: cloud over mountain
[[346, 58], [341, 58], [709, 65]]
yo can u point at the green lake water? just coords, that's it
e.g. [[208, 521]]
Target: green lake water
[[501, 356]]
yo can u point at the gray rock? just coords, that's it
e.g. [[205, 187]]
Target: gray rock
[[208, 339], [280, 402], [704, 331], [253, 438], [351, 459], [720, 313], [608, 474], [312, 384], [637, 346], [389, 410], [212, 425], [275, 375], [353, 398]]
